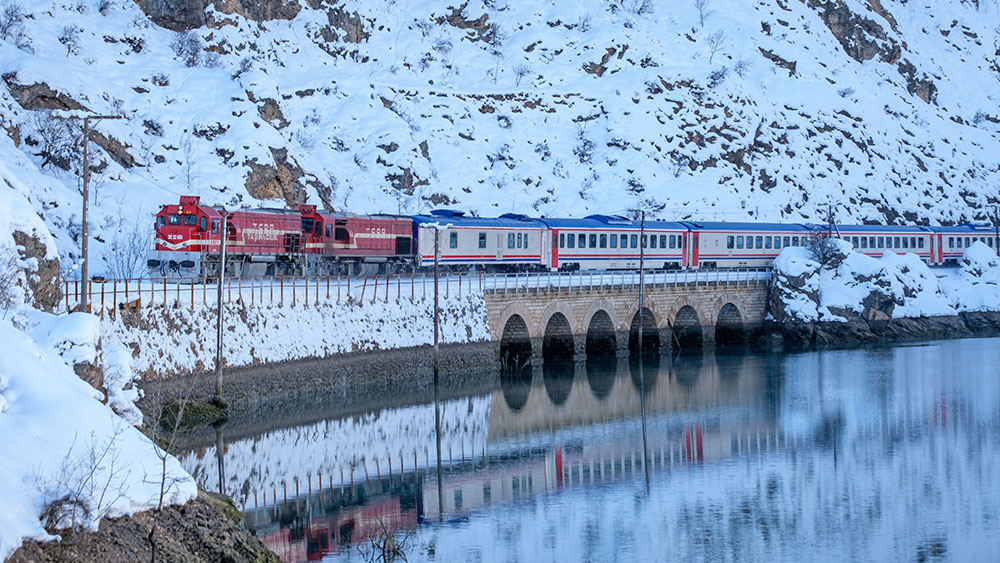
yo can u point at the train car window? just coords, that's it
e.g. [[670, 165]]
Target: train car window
[[571, 240], [777, 242], [663, 241], [673, 241], [906, 242], [795, 241], [739, 242], [749, 242], [203, 224], [452, 240], [652, 241], [527, 237], [787, 240], [482, 240], [215, 225], [593, 241], [767, 242], [307, 225], [634, 240], [174, 219], [190, 220], [614, 241], [881, 242], [604, 241], [625, 243], [989, 241], [951, 242], [160, 221], [510, 240], [895, 242], [582, 240], [562, 241], [730, 241], [329, 230], [855, 243], [520, 240], [920, 242], [913, 242], [864, 242]]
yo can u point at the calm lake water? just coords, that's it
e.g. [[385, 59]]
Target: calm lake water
[[883, 454]]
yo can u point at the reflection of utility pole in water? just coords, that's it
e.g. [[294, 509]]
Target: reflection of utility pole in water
[[220, 459], [219, 308], [437, 367], [642, 327]]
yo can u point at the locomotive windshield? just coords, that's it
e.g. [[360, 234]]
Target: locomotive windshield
[[174, 219], [307, 225], [190, 220]]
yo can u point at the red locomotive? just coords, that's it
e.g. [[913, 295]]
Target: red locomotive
[[277, 242]]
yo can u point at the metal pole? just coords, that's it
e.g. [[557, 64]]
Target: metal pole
[[996, 227], [642, 285], [218, 307], [85, 231]]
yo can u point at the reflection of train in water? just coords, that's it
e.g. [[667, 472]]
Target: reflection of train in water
[[580, 436]]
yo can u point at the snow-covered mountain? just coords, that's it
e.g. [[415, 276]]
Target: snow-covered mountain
[[703, 109]]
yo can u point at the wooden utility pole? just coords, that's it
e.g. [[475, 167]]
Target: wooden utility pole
[[996, 227], [218, 306], [85, 231], [642, 326], [437, 366]]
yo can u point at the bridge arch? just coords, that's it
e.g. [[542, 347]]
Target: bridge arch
[[648, 322], [729, 327], [557, 339], [688, 329], [601, 340], [515, 344]]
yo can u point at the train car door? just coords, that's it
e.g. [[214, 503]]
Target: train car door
[[940, 248], [555, 249], [683, 244], [694, 250]]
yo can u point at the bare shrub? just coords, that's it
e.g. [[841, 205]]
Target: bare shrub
[[53, 138], [385, 546], [70, 38], [822, 248], [125, 256], [703, 11], [86, 486], [188, 47], [11, 19], [9, 276], [714, 42]]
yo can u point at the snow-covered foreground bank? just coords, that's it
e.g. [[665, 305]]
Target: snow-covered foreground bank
[[171, 341], [66, 459], [852, 285]]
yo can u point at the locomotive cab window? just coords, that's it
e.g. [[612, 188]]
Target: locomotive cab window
[[482, 240], [307, 225], [174, 219], [452, 240], [319, 229], [203, 224], [215, 226], [160, 221], [329, 230], [190, 220]]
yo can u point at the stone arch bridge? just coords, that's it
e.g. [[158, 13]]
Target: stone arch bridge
[[683, 311]]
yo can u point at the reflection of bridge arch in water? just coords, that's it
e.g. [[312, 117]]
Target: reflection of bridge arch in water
[[650, 333], [687, 328], [601, 335], [729, 328], [650, 371], [557, 377], [601, 375], [515, 345], [515, 385]]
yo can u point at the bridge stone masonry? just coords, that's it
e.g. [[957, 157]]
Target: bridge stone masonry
[[585, 314]]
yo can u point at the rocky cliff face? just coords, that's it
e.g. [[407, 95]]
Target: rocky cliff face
[[765, 110]]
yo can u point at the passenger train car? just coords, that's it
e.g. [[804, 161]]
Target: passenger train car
[[313, 242]]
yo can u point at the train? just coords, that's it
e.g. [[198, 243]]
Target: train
[[307, 241]]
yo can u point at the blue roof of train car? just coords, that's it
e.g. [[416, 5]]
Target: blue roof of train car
[[965, 228], [880, 228], [458, 219], [720, 226], [608, 222]]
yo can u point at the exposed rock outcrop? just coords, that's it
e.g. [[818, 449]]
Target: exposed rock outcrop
[[182, 15], [276, 181], [44, 283]]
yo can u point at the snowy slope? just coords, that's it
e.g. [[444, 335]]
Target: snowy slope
[[767, 109]]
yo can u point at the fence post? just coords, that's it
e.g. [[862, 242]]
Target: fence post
[[375, 289], [348, 285], [413, 281], [364, 286], [295, 288], [239, 289], [328, 287], [281, 294], [387, 285], [192, 295], [306, 278]]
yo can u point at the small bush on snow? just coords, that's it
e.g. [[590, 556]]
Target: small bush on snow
[[11, 19], [188, 48]]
